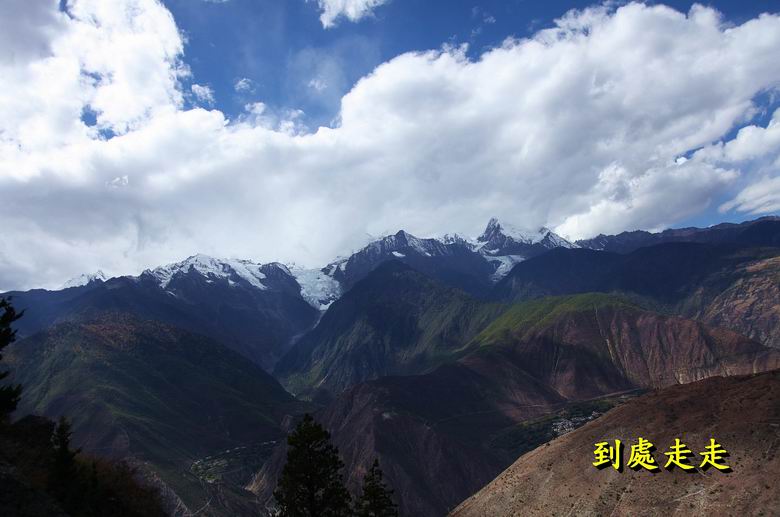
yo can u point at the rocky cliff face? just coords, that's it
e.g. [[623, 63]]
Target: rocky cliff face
[[741, 413], [749, 304], [647, 349]]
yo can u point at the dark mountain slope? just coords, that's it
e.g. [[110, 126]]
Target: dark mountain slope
[[395, 321], [257, 323], [148, 391], [741, 413], [760, 232], [466, 420], [452, 261], [724, 285]]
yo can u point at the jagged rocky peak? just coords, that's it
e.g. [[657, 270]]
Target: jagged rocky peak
[[498, 236], [85, 279], [401, 243]]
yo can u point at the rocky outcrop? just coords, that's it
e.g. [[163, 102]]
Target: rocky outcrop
[[750, 304]]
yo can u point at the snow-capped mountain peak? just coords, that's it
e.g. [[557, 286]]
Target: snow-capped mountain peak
[[504, 245], [553, 240], [497, 230], [499, 236], [85, 279], [231, 269]]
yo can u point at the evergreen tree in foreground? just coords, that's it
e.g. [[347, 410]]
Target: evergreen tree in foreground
[[63, 471], [375, 501], [311, 484], [9, 395]]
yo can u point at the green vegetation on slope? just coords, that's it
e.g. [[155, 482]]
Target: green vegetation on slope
[[394, 322], [525, 318]]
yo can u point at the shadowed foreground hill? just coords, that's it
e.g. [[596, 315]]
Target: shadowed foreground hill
[[151, 392], [741, 413]]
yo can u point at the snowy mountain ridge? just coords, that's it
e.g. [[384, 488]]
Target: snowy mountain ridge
[[85, 279], [501, 245], [498, 236], [210, 267], [496, 250]]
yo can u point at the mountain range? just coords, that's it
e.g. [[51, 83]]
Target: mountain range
[[536, 359], [444, 357]]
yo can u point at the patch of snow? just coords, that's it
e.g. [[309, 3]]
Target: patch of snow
[[519, 235], [503, 265], [85, 279], [399, 255], [210, 268], [557, 241], [317, 287], [453, 238]]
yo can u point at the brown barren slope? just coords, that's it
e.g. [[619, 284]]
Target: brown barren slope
[[742, 413]]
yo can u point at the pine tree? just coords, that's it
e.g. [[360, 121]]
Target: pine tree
[[9, 395], [375, 499], [311, 483], [63, 472]]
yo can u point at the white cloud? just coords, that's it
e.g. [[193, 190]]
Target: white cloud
[[353, 10], [27, 29], [760, 197], [581, 128], [203, 93], [756, 148], [318, 84], [244, 85]]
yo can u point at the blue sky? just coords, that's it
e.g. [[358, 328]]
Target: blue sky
[[281, 46], [135, 133]]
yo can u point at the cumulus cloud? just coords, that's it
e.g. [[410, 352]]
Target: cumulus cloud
[[27, 29], [758, 149], [203, 93], [353, 10], [760, 197], [582, 127]]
